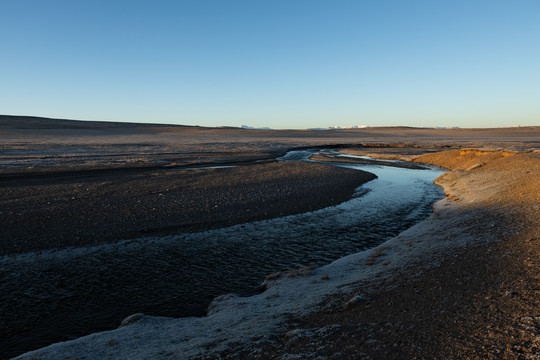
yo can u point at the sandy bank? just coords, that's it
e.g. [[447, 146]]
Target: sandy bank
[[463, 283]]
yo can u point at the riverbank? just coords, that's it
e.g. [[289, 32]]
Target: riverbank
[[467, 284], [462, 284]]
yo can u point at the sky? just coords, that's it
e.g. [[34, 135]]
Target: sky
[[275, 63]]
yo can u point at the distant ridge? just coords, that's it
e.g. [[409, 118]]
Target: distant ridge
[[36, 122], [22, 122]]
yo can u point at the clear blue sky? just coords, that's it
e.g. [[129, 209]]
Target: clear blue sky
[[282, 64]]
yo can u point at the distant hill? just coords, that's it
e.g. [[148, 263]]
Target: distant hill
[[34, 122]]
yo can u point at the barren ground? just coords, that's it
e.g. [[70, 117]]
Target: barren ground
[[468, 289], [480, 301]]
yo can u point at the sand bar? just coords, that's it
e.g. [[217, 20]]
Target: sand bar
[[82, 209]]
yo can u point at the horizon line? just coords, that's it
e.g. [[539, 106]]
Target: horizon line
[[262, 128]]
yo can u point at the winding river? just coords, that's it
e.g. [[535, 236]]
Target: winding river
[[58, 295]]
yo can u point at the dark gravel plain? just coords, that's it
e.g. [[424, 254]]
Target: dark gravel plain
[[49, 211]]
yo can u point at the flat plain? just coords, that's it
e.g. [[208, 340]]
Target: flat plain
[[463, 284]]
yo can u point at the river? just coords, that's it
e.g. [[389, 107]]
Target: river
[[59, 295]]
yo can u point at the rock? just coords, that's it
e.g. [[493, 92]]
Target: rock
[[131, 319], [292, 336], [355, 300]]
